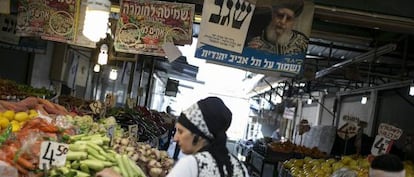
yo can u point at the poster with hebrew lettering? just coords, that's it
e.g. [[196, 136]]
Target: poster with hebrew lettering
[[144, 26], [50, 19], [275, 41]]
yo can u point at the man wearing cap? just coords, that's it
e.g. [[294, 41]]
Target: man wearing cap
[[386, 165], [279, 37], [201, 134]]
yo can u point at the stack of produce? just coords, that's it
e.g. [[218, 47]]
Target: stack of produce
[[22, 150], [154, 163], [86, 125], [43, 106], [89, 154], [10, 90], [150, 125], [325, 167], [288, 147], [74, 104], [16, 120]]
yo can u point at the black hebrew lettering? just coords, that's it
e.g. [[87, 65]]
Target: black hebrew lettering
[[215, 18], [241, 12], [237, 19], [226, 18]]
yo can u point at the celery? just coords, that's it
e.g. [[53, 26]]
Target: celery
[[136, 168], [121, 165], [127, 165]]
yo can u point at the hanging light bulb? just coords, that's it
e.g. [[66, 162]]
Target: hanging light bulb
[[113, 74], [96, 19], [309, 101], [103, 55], [364, 99], [97, 68], [411, 93]]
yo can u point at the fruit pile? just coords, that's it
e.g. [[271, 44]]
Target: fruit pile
[[325, 167], [288, 147], [16, 120], [10, 90]]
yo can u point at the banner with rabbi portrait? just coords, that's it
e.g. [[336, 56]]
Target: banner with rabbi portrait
[[275, 41]]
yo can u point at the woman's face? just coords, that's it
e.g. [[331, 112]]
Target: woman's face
[[184, 138]]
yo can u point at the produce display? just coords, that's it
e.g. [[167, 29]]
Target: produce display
[[150, 124], [325, 167], [29, 126], [89, 154], [289, 147], [74, 104], [10, 90], [155, 163]]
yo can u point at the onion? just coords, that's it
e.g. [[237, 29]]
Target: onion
[[125, 141], [155, 172]]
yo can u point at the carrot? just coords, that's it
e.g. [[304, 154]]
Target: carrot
[[41, 109], [29, 102], [25, 163], [19, 168]]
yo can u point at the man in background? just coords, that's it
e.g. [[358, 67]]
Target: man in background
[[279, 37], [387, 165]]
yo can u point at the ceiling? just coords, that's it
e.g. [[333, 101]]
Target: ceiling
[[346, 44]]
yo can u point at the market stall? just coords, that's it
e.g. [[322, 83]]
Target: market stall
[[41, 138]]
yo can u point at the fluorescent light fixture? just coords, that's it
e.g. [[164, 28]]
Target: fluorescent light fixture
[[96, 19], [103, 55], [364, 99], [309, 101], [113, 74], [97, 68], [411, 93]]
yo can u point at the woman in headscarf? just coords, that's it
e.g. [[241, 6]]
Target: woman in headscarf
[[201, 134]]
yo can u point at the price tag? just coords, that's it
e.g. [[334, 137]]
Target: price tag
[[133, 131], [52, 154], [96, 107], [389, 131], [382, 145], [348, 130], [110, 134]]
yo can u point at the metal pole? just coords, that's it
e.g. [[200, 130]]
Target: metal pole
[[141, 76], [149, 84]]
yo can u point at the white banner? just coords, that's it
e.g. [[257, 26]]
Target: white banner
[[225, 23]]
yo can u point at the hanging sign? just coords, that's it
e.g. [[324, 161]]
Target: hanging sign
[[144, 26], [265, 45], [51, 19], [225, 24], [289, 113], [8, 29], [52, 154], [4, 6], [389, 131], [387, 134]]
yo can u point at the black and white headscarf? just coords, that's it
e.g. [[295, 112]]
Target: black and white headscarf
[[210, 118]]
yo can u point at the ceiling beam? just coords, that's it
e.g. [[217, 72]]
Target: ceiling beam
[[365, 56]]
